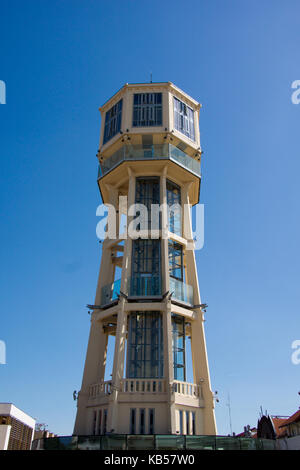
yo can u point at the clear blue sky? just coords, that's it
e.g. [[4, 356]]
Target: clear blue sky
[[61, 61]]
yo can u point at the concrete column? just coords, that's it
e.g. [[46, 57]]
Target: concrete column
[[118, 367], [107, 268], [94, 370], [168, 364], [164, 233], [126, 267]]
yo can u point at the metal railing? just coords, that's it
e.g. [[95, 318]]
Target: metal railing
[[151, 152]]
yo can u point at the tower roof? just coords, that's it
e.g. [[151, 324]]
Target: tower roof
[[181, 93]]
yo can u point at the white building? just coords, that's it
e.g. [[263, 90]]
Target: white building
[[16, 428]]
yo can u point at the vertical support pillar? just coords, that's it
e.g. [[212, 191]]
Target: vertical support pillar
[[94, 370], [119, 353], [107, 268], [126, 266], [164, 233], [118, 368], [198, 345], [168, 365]]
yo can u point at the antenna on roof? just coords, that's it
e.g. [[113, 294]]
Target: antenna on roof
[[229, 411], [150, 77]]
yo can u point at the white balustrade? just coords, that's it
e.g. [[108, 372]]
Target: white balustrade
[[101, 388], [187, 389], [143, 386], [146, 386]]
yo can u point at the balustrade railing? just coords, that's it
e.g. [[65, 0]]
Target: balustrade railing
[[143, 386], [187, 389], [146, 386], [101, 388]]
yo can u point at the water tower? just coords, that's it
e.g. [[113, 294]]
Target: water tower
[[148, 295]]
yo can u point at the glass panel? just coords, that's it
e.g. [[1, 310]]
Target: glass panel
[[115, 442], [147, 109], [175, 260], [268, 444], [181, 291], [88, 443], [174, 208], [145, 346], [170, 442], [140, 442], [61, 443], [112, 121], [227, 443], [178, 344], [184, 119], [200, 442], [147, 193], [145, 279], [248, 443], [156, 151]]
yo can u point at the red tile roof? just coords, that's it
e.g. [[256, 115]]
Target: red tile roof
[[278, 423], [292, 419]]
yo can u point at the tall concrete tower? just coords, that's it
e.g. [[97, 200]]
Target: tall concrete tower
[[148, 295]]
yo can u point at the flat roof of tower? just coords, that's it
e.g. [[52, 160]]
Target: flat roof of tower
[[151, 84]]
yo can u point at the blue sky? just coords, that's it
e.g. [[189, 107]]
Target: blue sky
[[62, 60]]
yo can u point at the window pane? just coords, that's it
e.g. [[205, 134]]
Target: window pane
[[147, 109], [184, 119], [112, 121], [178, 344], [145, 345]]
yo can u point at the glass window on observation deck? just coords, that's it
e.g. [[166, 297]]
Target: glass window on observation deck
[[174, 208], [184, 119], [145, 345], [147, 193], [147, 109], [113, 118]]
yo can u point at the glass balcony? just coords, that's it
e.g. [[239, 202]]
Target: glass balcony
[[145, 286], [151, 152], [181, 291], [110, 292]]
